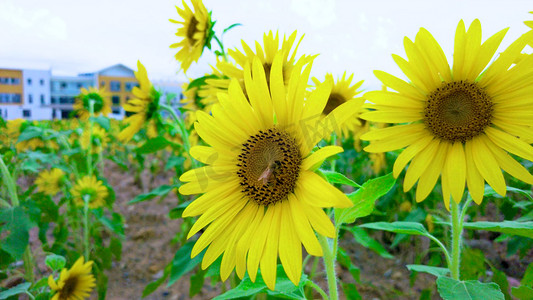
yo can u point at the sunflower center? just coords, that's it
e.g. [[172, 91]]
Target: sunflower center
[[334, 100], [98, 101], [269, 165], [458, 111], [69, 288], [191, 30]]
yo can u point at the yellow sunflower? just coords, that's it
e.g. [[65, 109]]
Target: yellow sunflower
[[261, 197], [89, 186], [99, 139], [100, 98], [266, 53], [49, 182], [343, 91], [75, 283], [191, 102], [196, 32], [144, 107], [15, 127], [459, 123]]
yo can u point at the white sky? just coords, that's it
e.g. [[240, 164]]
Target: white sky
[[72, 37]]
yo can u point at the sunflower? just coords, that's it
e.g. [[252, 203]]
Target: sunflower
[[144, 107], [101, 103], [75, 283], [196, 32], [266, 53], [459, 123], [343, 91], [89, 186], [192, 102], [99, 139], [14, 128], [49, 182], [259, 183]]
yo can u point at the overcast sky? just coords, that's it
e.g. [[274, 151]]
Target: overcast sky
[[74, 36]]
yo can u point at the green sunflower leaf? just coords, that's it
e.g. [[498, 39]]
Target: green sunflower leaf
[[411, 228], [364, 199], [336, 177], [436, 271], [183, 263], [153, 145], [19, 289], [55, 262], [522, 292], [507, 227], [102, 121], [451, 289], [159, 191]]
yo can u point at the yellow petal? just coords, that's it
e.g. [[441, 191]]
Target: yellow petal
[[290, 248], [313, 190], [314, 160], [303, 228], [474, 180], [456, 166], [270, 252], [487, 166], [419, 164]]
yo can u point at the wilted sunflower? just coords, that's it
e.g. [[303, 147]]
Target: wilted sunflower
[[261, 196], [100, 98], [75, 283], [89, 186], [144, 107], [266, 53], [459, 124], [343, 91], [49, 182], [99, 139], [196, 32]]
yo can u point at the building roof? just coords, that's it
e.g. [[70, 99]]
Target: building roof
[[114, 70]]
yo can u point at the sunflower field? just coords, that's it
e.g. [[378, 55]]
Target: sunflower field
[[269, 183]]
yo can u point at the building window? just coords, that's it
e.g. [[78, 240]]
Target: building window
[[53, 100], [26, 113], [115, 100], [129, 86], [41, 81], [29, 81], [16, 98], [79, 85], [116, 110], [30, 99], [63, 85], [42, 99], [102, 83], [114, 86], [15, 81]]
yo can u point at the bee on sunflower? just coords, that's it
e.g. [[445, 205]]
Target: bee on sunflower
[[261, 197], [75, 283], [101, 103], [460, 123]]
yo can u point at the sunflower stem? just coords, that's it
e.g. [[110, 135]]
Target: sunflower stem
[[183, 132], [457, 230], [89, 147], [318, 289], [27, 258], [329, 261], [86, 226], [221, 45]]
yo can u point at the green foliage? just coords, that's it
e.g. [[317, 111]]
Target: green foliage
[[451, 289], [411, 228], [17, 223], [363, 238], [19, 289], [55, 262], [473, 267], [508, 227], [436, 271], [159, 191], [183, 263], [154, 145]]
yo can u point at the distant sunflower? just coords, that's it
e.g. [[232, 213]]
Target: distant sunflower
[[100, 98], [99, 139], [75, 283], [459, 124], [14, 128], [144, 107], [261, 196], [343, 91], [49, 182], [196, 31], [89, 186], [192, 102], [265, 53]]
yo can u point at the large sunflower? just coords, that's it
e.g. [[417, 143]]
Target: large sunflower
[[261, 197], [75, 283], [101, 103], [459, 123], [89, 186], [227, 71], [196, 32], [144, 107], [49, 182]]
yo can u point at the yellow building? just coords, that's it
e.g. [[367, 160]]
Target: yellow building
[[119, 80], [11, 87]]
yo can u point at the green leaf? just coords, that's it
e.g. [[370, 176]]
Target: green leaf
[[475, 268], [159, 191], [183, 263], [102, 121], [345, 261], [230, 27], [411, 228], [18, 224], [115, 224], [522, 292], [436, 271], [174, 162], [19, 289], [336, 177], [350, 291], [508, 227], [362, 237], [451, 289], [30, 133], [177, 211], [500, 278], [55, 262], [528, 276], [43, 296], [364, 199], [152, 286], [197, 282], [153, 145], [198, 82]]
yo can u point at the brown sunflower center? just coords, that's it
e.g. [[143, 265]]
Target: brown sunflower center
[[458, 111], [191, 30], [269, 165], [334, 100], [69, 288]]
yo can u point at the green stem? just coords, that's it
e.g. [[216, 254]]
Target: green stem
[[67, 145], [219, 42], [183, 131], [318, 289], [9, 182], [89, 147], [443, 248], [329, 262], [28, 265], [457, 230], [86, 227], [333, 143]]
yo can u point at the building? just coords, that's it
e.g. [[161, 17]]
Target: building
[[64, 90], [25, 93]]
